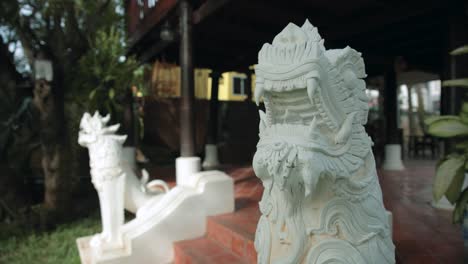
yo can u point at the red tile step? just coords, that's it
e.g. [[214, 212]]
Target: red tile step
[[203, 250], [236, 232], [229, 237]]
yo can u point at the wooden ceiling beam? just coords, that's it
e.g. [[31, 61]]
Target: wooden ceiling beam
[[207, 9], [220, 29], [151, 20]]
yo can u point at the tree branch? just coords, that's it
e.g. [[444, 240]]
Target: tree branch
[[91, 25], [80, 36]]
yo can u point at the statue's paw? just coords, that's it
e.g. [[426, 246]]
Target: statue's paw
[[105, 241], [97, 240]]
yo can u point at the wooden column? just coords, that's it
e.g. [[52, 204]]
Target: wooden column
[[454, 67], [393, 147], [391, 107], [213, 120], [187, 128]]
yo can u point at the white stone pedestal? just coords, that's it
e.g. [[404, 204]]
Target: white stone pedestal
[[177, 215], [211, 156], [392, 159], [185, 168]]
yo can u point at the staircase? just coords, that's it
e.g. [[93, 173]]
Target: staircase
[[229, 238]]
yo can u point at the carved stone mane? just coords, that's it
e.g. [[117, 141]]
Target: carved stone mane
[[104, 146], [322, 201]]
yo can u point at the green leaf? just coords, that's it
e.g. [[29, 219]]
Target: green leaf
[[460, 207], [464, 108], [454, 190], [464, 113], [462, 145], [446, 128], [439, 162], [432, 119], [92, 94], [445, 174], [460, 51], [111, 93], [463, 82], [464, 117]]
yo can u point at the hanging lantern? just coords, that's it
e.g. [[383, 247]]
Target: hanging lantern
[[167, 34]]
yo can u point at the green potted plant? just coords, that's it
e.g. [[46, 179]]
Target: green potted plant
[[451, 170]]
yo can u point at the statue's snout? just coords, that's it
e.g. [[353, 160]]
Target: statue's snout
[[85, 139]]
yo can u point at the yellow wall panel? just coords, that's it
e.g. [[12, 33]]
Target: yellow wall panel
[[165, 82]]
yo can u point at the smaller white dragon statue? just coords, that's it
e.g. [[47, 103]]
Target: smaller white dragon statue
[[114, 179]]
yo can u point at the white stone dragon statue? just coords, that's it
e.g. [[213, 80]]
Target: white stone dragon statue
[[114, 178], [322, 201]]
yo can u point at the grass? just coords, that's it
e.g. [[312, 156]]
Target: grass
[[58, 246]]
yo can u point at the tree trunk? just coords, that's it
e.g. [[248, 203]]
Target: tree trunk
[[54, 153]]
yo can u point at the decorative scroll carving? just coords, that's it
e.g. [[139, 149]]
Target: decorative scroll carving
[[322, 202]]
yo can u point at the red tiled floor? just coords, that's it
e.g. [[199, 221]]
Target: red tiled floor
[[422, 234]]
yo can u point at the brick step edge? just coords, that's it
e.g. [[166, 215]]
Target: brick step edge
[[240, 244], [204, 251]]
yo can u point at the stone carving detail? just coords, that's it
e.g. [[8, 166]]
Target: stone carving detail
[[113, 178], [322, 202]]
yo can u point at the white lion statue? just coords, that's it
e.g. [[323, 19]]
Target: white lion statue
[[114, 178]]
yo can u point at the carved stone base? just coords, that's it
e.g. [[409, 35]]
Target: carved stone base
[[177, 215], [211, 156], [392, 159]]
